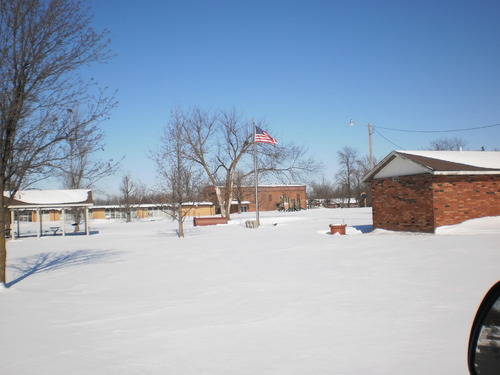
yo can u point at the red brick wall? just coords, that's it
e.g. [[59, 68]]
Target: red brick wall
[[423, 202], [403, 203], [461, 198]]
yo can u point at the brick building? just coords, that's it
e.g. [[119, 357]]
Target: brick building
[[271, 197], [421, 190]]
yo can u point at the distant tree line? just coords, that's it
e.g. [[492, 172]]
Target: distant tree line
[[347, 185]]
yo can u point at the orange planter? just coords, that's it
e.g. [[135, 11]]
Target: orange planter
[[337, 228]]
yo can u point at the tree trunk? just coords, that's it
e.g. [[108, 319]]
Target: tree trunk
[[181, 222], [223, 211], [3, 241], [228, 197]]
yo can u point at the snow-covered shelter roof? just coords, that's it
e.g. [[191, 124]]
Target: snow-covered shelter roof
[[50, 198], [405, 163]]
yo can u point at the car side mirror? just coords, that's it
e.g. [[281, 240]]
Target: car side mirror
[[484, 342]]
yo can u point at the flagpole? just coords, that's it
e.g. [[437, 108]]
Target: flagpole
[[256, 176]]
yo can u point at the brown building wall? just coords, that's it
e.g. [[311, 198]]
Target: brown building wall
[[423, 202], [143, 213], [461, 198], [51, 215], [200, 211], [98, 213], [403, 203], [269, 196]]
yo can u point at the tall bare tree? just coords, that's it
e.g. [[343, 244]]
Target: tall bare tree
[[128, 190], [219, 144], [81, 170], [362, 191], [347, 159], [179, 176], [43, 43], [216, 143]]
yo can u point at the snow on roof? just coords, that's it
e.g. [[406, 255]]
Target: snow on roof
[[147, 205], [242, 202], [403, 163], [51, 197], [482, 159], [143, 205], [197, 204]]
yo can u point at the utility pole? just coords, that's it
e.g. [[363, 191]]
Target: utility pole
[[370, 142], [370, 145]]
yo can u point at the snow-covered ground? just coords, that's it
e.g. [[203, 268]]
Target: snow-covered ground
[[286, 298]]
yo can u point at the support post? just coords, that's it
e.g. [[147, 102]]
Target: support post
[[18, 227], [39, 214], [12, 218], [87, 232], [63, 212]]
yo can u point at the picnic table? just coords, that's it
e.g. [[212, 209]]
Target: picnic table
[[54, 230]]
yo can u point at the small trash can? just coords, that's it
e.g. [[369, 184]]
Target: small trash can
[[337, 228]]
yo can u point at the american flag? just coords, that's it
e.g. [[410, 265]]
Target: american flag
[[261, 136]]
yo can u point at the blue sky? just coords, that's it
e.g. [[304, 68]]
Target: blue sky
[[305, 68]]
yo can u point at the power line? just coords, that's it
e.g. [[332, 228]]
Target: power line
[[388, 140], [435, 131]]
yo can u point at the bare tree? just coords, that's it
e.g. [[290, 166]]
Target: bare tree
[[447, 144], [220, 143], [127, 198], [362, 191], [216, 144], [180, 179], [322, 190], [42, 45], [80, 170], [347, 159]]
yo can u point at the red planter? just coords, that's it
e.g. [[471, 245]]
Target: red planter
[[200, 221], [337, 228]]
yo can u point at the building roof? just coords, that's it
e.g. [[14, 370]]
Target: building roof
[[404, 163], [151, 205], [50, 198]]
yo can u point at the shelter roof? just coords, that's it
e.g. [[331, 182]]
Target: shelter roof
[[50, 198]]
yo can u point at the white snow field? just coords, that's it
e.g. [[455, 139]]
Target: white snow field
[[282, 299]]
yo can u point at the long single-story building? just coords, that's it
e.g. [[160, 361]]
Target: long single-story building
[[271, 197], [422, 190], [150, 210]]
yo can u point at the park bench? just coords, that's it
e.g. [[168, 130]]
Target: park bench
[[200, 221]]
